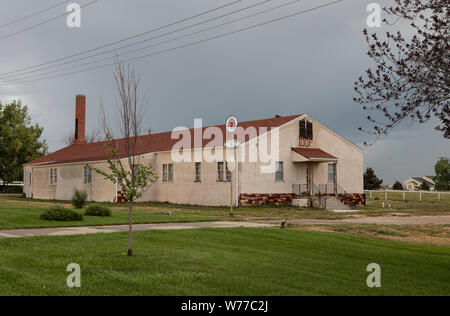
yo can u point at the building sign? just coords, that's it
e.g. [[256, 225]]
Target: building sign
[[303, 142], [231, 124]]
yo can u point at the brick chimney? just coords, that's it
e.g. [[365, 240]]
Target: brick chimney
[[80, 120]]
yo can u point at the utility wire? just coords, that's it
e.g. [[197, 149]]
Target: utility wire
[[122, 40], [33, 14], [44, 22], [150, 39], [189, 44]]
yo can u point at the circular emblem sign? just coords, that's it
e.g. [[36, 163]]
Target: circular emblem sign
[[231, 124]]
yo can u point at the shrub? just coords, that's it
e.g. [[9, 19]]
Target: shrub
[[79, 199], [60, 214], [97, 210], [397, 186]]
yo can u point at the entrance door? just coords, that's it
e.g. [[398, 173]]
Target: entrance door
[[332, 176], [309, 179]]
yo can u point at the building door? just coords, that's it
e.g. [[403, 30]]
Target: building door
[[309, 179], [332, 176]]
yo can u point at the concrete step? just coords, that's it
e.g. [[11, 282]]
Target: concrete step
[[335, 204]]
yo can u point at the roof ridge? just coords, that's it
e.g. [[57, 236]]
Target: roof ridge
[[203, 127]]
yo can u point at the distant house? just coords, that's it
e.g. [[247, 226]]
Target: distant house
[[413, 184]]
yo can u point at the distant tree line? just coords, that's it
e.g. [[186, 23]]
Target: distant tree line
[[442, 178], [20, 141]]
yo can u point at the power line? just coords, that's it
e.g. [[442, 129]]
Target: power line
[[33, 14], [150, 39], [188, 44], [45, 22], [122, 40]]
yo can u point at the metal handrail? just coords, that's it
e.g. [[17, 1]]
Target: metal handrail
[[317, 189]]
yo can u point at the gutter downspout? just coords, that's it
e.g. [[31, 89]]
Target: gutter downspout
[[237, 176], [117, 188], [31, 187]]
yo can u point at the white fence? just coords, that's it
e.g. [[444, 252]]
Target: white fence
[[407, 195]]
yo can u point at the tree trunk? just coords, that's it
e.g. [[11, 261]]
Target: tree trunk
[[130, 228]]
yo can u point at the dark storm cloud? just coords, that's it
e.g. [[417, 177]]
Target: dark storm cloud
[[306, 64]]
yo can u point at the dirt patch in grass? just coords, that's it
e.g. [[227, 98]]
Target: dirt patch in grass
[[417, 234]]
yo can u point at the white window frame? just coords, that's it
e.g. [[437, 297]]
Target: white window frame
[[228, 174], [332, 173], [164, 173], [279, 171], [53, 176], [223, 172], [220, 169], [87, 172], [168, 172], [198, 172]]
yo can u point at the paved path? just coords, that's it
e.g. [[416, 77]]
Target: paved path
[[388, 220], [69, 231]]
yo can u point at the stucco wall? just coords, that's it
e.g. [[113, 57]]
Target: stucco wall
[[349, 167], [70, 177]]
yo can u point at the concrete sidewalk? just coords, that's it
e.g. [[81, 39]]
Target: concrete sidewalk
[[69, 231], [386, 220]]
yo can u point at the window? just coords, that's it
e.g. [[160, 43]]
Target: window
[[220, 166], [306, 129], [87, 175], [30, 179], [198, 172], [168, 173], [332, 172], [53, 176], [165, 173], [223, 172], [279, 172]]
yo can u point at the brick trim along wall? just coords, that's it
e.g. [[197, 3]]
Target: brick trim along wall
[[265, 199], [353, 199]]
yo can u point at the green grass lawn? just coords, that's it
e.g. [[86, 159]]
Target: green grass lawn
[[221, 262], [23, 215], [16, 212]]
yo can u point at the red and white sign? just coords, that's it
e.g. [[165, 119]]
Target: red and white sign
[[231, 124]]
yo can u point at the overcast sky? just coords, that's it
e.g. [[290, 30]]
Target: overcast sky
[[306, 64]]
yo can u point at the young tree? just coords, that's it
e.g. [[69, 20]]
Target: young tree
[[397, 186], [124, 156], [411, 76], [442, 178], [19, 141], [371, 181]]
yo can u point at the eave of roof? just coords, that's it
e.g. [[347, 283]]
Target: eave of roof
[[313, 153]]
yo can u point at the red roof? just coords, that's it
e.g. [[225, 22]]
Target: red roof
[[147, 143], [313, 153]]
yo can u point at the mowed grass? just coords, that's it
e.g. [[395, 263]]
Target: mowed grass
[[221, 262], [429, 206], [26, 215], [429, 234], [16, 212]]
